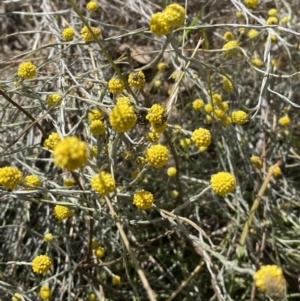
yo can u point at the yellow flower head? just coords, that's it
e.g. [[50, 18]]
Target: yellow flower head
[[53, 99], [272, 20], [252, 33], [32, 180], [285, 120], [143, 199], [62, 212], [99, 252], [157, 155], [201, 137], [157, 117], [251, 3], [239, 14], [161, 66], [256, 162], [152, 137], [92, 6], [270, 280], [256, 62], [159, 24], [140, 161], [239, 117], [68, 182], [52, 140], [92, 297], [27, 70], [68, 33], [116, 279], [48, 237], [285, 19], [228, 36], [97, 127], [16, 297], [70, 153], [116, 85], [227, 85], [95, 114], [123, 100], [45, 292], [276, 171], [136, 79], [223, 106], [198, 104], [185, 142], [10, 177], [41, 264], [87, 36], [175, 14], [230, 47], [122, 117], [103, 183], [222, 183], [171, 171], [272, 12]]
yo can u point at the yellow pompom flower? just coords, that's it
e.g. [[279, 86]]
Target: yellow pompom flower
[[256, 162], [223, 106], [227, 85], [228, 36], [256, 62], [285, 120], [32, 180], [27, 70], [161, 66], [99, 252], [45, 292], [116, 279], [70, 153], [219, 114], [62, 212], [97, 127], [157, 155], [103, 183], [52, 140], [92, 6], [116, 85], [123, 100], [239, 117], [10, 177], [140, 161], [69, 182], [16, 297], [143, 199], [276, 171], [48, 237], [251, 3], [270, 280], [239, 14], [41, 264], [87, 36], [201, 137], [208, 108], [53, 99], [92, 297], [272, 12], [157, 115], [198, 104], [122, 117], [136, 79], [95, 114], [68, 33], [230, 47], [159, 24], [252, 33], [226, 120], [272, 21], [175, 14], [152, 137], [171, 171], [185, 142], [222, 183], [285, 19]]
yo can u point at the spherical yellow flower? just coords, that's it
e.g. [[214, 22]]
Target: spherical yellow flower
[[272, 21], [159, 24], [285, 120], [171, 171], [256, 162], [228, 36], [285, 19], [116, 279], [222, 183], [140, 161], [216, 98], [226, 120], [95, 114], [68, 33], [201, 137], [136, 79], [198, 104], [123, 100], [252, 33], [48, 237], [27, 70], [157, 155], [159, 128], [41, 264], [62, 212], [152, 137], [97, 127], [223, 106], [161, 66], [270, 280], [256, 62], [116, 85], [87, 36], [239, 117], [230, 47], [103, 183], [122, 117], [143, 199], [16, 297], [175, 14], [99, 252], [52, 140], [10, 177], [219, 114], [208, 108], [92, 297], [32, 180], [276, 171], [45, 292], [69, 182], [239, 14], [251, 3], [94, 150], [272, 12], [92, 6], [185, 142], [157, 115], [53, 99], [227, 85]]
